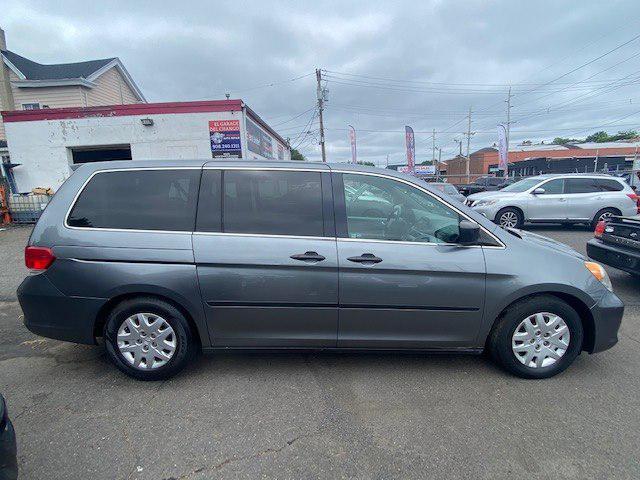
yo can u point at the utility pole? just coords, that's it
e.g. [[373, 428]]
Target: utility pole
[[320, 94], [506, 170], [439, 162], [468, 145], [433, 156]]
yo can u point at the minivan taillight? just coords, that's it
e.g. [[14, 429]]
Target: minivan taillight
[[636, 198], [600, 226], [38, 258]]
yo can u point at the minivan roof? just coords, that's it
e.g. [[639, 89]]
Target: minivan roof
[[233, 162]]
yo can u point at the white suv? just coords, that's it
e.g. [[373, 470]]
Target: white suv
[[563, 198]]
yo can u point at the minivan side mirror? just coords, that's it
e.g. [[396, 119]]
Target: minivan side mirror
[[539, 191], [469, 233]]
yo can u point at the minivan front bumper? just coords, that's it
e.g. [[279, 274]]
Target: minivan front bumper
[[50, 313], [607, 316]]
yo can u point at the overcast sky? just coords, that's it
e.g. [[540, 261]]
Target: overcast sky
[[389, 64]]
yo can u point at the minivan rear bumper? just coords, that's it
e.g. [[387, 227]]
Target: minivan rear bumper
[[607, 316], [50, 313]]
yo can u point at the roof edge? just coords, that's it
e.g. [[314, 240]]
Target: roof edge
[[121, 110]]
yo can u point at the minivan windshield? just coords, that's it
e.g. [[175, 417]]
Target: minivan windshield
[[522, 185]]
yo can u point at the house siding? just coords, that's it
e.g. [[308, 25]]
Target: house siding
[[110, 89], [53, 97]]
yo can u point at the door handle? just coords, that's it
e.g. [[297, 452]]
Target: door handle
[[366, 258], [308, 257], [563, 199]]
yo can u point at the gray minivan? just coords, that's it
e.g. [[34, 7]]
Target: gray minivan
[[163, 259]]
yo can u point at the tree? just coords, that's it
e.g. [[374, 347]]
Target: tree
[[296, 155], [598, 137], [564, 141], [368, 164], [602, 136]]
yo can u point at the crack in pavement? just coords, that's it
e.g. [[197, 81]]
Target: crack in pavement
[[234, 459]]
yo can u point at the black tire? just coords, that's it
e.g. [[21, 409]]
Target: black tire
[[604, 211], [500, 338], [511, 210], [185, 348]]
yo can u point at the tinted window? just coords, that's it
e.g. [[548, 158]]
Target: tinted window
[[210, 202], [138, 199], [609, 185], [496, 181], [385, 209], [276, 203], [553, 186], [582, 185]]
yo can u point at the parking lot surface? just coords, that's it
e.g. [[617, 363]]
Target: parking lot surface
[[318, 415]]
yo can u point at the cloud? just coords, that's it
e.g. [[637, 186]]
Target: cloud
[[202, 49]]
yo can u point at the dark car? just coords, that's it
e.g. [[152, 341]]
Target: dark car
[[617, 243], [8, 459], [163, 259], [484, 184]]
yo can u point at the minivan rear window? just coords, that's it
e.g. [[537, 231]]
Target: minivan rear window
[[272, 202], [138, 200]]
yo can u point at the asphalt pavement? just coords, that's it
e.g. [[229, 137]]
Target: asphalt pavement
[[318, 415]]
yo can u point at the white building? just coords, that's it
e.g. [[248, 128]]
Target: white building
[[47, 144]]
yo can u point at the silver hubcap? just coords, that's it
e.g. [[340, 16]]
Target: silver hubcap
[[540, 340], [605, 215], [508, 219], [146, 341]]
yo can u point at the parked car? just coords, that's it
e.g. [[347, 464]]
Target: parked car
[[449, 189], [563, 198], [617, 243], [166, 258], [8, 458], [484, 184]]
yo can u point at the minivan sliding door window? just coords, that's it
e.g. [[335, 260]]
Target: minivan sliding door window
[[272, 202]]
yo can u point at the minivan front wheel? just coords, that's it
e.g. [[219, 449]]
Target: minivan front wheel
[[538, 337], [148, 339]]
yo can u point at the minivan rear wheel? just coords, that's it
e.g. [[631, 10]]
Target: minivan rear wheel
[[538, 337], [148, 339]]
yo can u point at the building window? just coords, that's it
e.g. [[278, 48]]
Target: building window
[[31, 106]]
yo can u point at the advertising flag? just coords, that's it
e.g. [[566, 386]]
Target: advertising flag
[[503, 150], [352, 139], [411, 149]]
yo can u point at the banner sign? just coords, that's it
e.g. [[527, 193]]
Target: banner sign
[[225, 137], [503, 150], [352, 139], [258, 141], [280, 152], [411, 149]]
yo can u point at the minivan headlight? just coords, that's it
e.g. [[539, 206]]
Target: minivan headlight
[[600, 273]]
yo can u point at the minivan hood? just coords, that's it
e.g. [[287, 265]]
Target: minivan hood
[[494, 194], [546, 242]]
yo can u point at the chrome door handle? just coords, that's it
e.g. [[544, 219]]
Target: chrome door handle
[[308, 257], [365, 258]]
